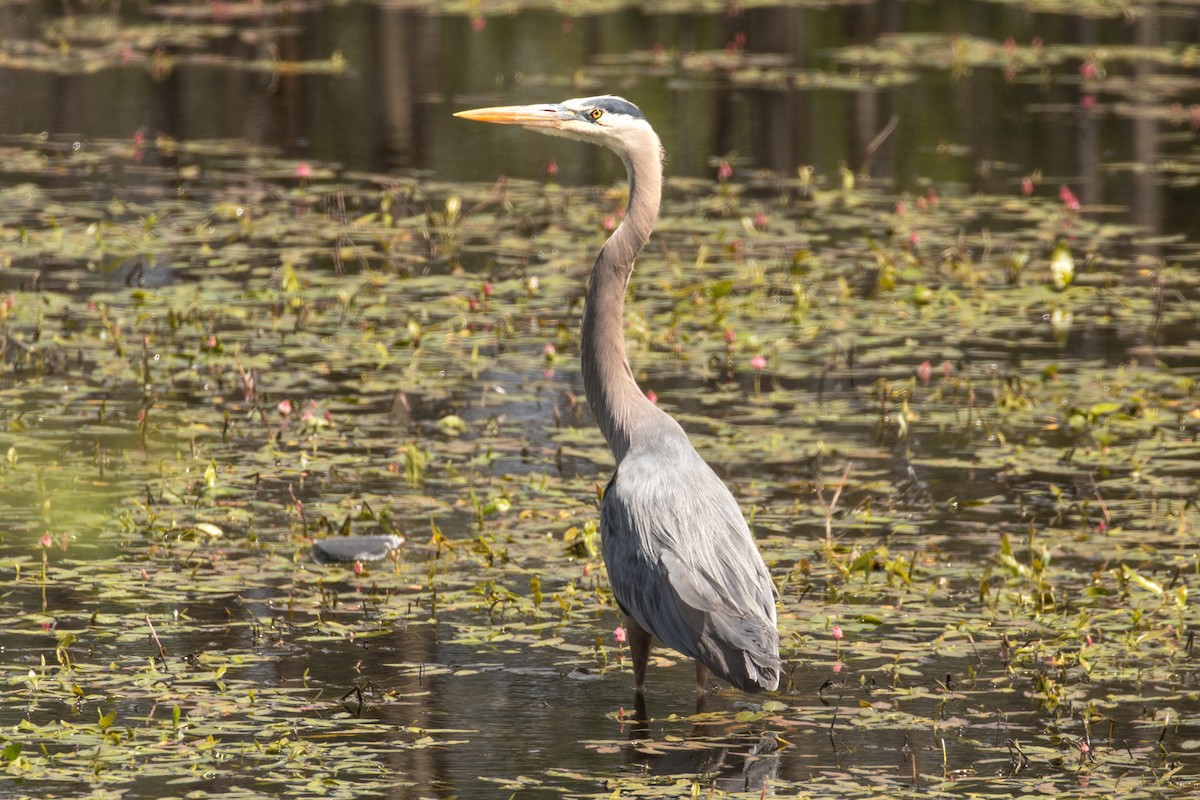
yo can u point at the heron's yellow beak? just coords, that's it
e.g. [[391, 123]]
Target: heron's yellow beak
[[539, 116]]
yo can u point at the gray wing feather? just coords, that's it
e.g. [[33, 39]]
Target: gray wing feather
[[682, 562]]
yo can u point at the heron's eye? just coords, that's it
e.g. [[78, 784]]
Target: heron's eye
[[596, 113]]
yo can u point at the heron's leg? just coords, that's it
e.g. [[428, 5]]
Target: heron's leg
[[701, 677], [639, 648]]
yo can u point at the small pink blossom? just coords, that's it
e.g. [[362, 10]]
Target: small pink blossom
[[609, 223], [724, 171], [759, 362], [760, 221], [548, 350], [1088, 101], [652, 396], [925, 371], [901, 209], [729, 336], [836, 632], [303, 170], [914, 238], [284, 408], [619, 635], [46, 540], [1068, 198], [551, 168], [932, 196], [1088, 69], [358, 568], [1027, 186]]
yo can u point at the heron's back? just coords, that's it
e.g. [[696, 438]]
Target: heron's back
[[682, 562]]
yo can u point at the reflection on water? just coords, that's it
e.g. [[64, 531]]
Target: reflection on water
[[773, 88]]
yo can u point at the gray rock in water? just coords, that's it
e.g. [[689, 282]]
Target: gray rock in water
[[355, 548]]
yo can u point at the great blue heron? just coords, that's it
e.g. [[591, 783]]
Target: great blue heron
[[680, 558]]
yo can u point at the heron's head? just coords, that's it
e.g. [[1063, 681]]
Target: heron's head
[[606, 120]]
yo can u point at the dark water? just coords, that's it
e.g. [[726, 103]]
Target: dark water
[[407, 70], [388, 113]]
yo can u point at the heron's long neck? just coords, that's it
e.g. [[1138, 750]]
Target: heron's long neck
[[612, 393]]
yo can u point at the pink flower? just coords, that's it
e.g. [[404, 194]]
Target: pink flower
[[303, 170], [358, 568], [284, 408], [1068, 197], [724, 171], [46, 540], [729, 336], [1088, 69], [619, 635], [925, 371], [487, 289], [609, 223], [1027, 186], [759, 362], [836, 632], [652, 396], [901, 210], [551, 168]]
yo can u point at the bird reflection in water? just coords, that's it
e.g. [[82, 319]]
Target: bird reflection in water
[[742, 761]]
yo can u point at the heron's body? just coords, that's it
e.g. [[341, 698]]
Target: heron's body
[[681, 560]]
